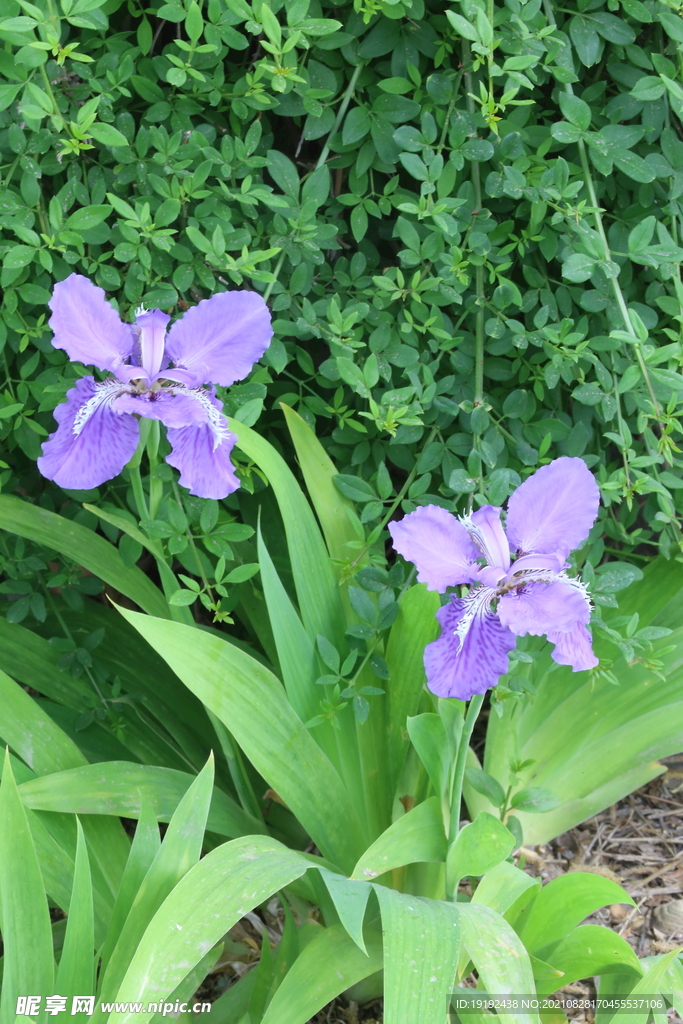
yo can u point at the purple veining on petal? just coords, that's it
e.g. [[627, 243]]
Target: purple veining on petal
[[205, 470], [87, 327], [487, 531], [81, 455], [152, 341], [573, 648], [553, 511], [538, 608], [219, 340], [438, 544], [472, 651]]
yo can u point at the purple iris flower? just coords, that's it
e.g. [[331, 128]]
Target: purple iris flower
[[548, 516], [156, 375]]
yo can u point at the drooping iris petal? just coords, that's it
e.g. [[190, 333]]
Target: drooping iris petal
[[220, 339], [86, 326], [539, 608], [490, 536], [202, 455], [173, 410], [103, 446], [438, 544], [471, 652], [573, 648], [554, 509]]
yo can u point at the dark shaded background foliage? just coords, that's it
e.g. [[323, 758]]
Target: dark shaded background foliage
[[466, 222]]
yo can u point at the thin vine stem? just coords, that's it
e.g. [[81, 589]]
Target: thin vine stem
[[600, 227], [344, 106], [392, 508], [479, 270], [276, 272]]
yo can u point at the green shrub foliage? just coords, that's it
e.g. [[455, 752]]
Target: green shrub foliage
[[466, 221]]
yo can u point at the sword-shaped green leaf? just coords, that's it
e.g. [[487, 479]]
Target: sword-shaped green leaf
[[84, 547], [26, 931]]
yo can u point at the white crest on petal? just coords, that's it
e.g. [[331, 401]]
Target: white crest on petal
[[105, 392], [546, 576], [216, 421], [477, 603], [140, 311]]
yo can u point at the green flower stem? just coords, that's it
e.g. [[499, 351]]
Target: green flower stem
[[620, 423], [340, 113], [616, 287], [600, 227], [138, 490], [167, 577], [156, 486], [473, 709]]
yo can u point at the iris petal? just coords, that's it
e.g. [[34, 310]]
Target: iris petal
[[539, 608], [206, 471], [86, 326], [103, 445], [152, 340], [489, 535], [573, 648], [554, 509], [438, 544], [471, 652], [219, 340], [202, 453]]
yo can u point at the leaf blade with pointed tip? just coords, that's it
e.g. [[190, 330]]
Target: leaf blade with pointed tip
[[76, 972], [417, 836], [84, 546], [291, 762], [209, 899], [350, 898], [27, 934], [179, 851]]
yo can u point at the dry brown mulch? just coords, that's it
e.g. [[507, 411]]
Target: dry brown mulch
[[639, 844]]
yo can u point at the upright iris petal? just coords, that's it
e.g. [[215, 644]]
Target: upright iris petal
[[438, 544], [152, 341], [87, 327], [157, 376], [549, 515], [553, 511], [219, 340]]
